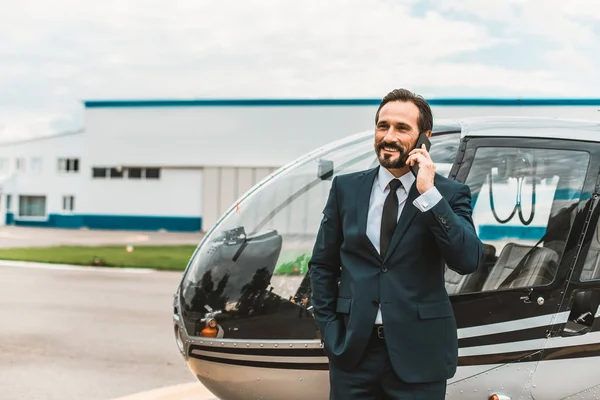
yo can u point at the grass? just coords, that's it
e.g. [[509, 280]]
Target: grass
[[164, 257]]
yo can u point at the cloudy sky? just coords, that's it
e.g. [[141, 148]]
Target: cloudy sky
[[54, 54]]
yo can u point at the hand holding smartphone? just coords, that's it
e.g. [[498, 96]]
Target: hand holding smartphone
[[422, 139]]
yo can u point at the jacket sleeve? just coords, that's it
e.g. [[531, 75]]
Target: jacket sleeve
[[452, 225], [325, 264]]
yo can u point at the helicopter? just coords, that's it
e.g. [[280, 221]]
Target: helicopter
[[526, 317]]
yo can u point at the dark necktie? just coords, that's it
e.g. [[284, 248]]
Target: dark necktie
[[389, 217]]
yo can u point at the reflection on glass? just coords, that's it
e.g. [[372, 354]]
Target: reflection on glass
[[591, 266], [524, 204], [253, 265]]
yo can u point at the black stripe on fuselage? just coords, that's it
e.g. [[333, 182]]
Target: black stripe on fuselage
[[558, 353], [261, 352], [264, 364], [552, 353], [499, 358], [505, 337], [567, 352]]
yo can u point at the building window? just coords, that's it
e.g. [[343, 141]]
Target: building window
[[134, 173], [127, 172], [68, 164], [20, 164], [36, 165], [116, 172], [68, 203], [98, 172], [32, 206], [8, 203], [152, 173]]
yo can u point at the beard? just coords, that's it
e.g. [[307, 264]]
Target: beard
[[391, 160]]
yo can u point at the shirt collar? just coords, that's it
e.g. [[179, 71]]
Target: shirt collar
[[384, 177]]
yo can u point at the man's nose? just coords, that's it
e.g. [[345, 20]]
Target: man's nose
[[391, 135]]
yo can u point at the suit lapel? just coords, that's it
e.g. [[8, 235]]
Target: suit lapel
[[362, 208], [409, 212]]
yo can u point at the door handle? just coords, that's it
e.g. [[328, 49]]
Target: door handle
[[527, 299]]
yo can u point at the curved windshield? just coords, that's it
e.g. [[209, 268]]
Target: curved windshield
[[252, 267]]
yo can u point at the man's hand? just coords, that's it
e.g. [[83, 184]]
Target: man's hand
[[426, 173]]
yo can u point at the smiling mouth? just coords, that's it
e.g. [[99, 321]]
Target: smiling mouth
[[390, 148]]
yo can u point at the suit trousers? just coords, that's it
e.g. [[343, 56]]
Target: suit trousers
[[374, 379]]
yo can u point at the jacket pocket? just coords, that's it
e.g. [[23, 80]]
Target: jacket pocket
[[437, 309], [343, 305]]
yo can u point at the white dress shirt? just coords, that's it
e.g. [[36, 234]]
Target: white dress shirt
[[380, 191]]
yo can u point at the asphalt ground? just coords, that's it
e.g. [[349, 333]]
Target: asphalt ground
[[86, 334]]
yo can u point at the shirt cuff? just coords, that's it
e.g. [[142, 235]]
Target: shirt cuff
[[428, 200]]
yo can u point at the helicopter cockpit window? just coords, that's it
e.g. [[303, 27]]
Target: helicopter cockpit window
[[524, 203], [252, 266], [591, 266]]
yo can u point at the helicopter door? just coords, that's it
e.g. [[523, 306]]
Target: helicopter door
[[525, 197], [574, 343]]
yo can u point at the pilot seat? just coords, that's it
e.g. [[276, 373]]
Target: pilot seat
[[457, 283], [522, 266]]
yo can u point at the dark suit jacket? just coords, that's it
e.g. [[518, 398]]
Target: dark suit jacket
[[420, 328]]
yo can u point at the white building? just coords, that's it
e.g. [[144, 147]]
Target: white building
[[178, 165]]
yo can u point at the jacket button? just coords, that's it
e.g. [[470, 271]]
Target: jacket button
[[384, 269], [375, 303]]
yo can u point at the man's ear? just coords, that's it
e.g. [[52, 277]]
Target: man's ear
[[428, 133]]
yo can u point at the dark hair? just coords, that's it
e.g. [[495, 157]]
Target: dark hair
[[425, 120]]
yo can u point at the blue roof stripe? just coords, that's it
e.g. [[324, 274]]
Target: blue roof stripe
[[336, 102]]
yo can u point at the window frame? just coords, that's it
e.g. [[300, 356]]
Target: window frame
[[158, 173], [587, 228], [116, 173], [20, 164], [68, 165], [18, 216], [140, 170], [106, 172], [68, 200], [37, 165]]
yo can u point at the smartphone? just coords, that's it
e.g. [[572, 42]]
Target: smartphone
[[420, 140]]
